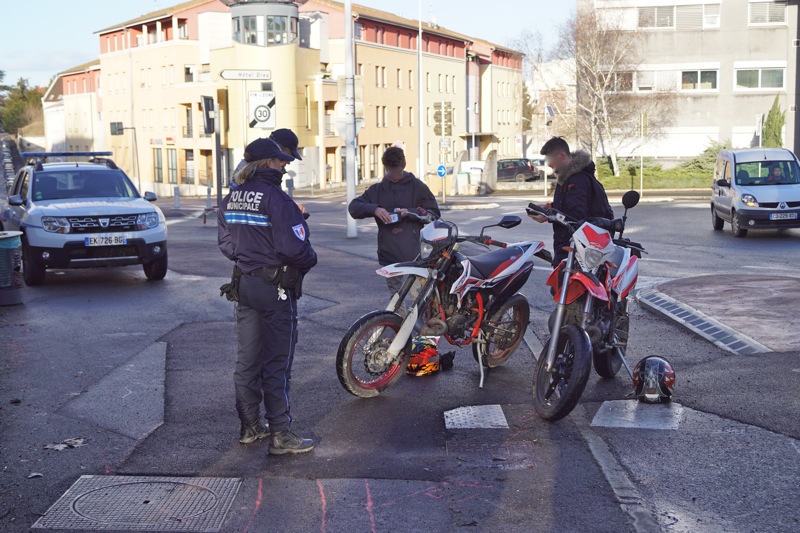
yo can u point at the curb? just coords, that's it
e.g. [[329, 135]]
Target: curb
[[699, 323]]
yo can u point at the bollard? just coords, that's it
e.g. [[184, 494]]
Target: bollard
[[177, 192], [208, 198], [290, 186]]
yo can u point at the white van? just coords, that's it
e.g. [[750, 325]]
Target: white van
[[756, 188]]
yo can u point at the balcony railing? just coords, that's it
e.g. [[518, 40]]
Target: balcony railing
[[187, 176], [187, 132]]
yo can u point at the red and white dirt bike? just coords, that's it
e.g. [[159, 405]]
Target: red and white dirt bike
[[590, 322], [468, 300]]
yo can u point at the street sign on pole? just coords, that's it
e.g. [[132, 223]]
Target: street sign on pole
[[441, 171], [261, 109], [238, 74]]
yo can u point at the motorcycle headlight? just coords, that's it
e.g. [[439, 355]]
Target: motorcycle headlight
[[749, 200], [56, 224], [147, 221], [592, 258], [425, 250]]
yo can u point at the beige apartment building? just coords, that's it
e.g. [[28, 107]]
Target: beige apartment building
[[273, 64]]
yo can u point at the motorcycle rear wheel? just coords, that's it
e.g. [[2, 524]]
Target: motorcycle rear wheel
[[512, 317], [556, 393], [606, 362], [359, 366]]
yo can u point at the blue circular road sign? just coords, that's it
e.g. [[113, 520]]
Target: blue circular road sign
[[441, 171]]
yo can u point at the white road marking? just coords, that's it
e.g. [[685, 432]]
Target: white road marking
[[654, 260], [763, 267]]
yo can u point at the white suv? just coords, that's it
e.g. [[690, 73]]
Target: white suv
[[756, 189], [82, 215]]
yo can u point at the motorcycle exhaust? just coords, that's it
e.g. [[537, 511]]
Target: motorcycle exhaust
[[595, 334], [434, 328]]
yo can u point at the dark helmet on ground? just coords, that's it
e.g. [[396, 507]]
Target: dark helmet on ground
[[653, 380], [287, 138]]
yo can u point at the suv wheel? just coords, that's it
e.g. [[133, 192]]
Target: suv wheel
[[520, 177], [716, 222], [737, 230], [32, 273], [157, 269]]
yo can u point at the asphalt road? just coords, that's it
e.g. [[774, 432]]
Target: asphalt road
[[143, 371]]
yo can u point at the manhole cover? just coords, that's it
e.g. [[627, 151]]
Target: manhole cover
[[135, 503], [475, 417]]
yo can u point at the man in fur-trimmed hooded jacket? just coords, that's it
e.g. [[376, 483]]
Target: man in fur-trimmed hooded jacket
[[573, 194]]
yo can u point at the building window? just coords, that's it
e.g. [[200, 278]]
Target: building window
[[172, 165], [253, 30], [411, 80], [767, 13], [765, 78], [237, 29], [158, 167], [699, 80], [384, 77], [411, 116], [428, 81], [188, 73], [645, 81], [441, 90], [711, 16], [399, 117], [428, 153], [428, 116], [378, 116], [622, 82], [277, 30], [662, 17], [380, 35], [399, 79], [358, 31], [385, 116]]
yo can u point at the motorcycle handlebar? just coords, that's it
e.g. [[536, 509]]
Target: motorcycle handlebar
[[484, 239]]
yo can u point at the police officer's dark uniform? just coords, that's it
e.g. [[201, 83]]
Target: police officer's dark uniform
[[263, 230]]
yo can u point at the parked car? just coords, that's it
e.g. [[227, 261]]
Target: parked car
[[540, 166], [79, 215], [518, 170], [756, 189]]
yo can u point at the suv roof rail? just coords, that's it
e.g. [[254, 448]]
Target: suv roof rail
[[104, 160], [45, 155]]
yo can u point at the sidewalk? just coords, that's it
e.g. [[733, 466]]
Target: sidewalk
[[743, 314]]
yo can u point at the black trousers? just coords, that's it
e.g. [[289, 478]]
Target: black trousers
[[266, 330]]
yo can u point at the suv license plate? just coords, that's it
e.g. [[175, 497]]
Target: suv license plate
[[105, 240], [782, 216]]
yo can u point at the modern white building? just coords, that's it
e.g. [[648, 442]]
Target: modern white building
[[726, 61]]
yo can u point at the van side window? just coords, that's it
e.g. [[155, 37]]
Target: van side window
[[727, 171], [22, 190]]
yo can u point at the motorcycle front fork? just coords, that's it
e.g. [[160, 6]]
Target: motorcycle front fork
[[561, 310]]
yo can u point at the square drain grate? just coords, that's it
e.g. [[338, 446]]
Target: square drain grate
[[475, 417], [139, 503]]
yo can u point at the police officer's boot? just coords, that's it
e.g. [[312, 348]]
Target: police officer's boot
[[252, 431], [282, 442]]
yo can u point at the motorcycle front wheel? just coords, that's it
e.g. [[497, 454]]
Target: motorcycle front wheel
[[556, 393], [363, 365], [507, 328]]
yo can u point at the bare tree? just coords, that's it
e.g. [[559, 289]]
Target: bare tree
[[609, 109]]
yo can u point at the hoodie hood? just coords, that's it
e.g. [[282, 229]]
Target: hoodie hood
[[407, 177], [581, 162]]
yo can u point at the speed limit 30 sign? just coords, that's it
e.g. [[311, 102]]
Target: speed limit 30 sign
[[261, 109]]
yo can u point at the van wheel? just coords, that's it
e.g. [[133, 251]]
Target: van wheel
[[737, 230], [716, 222]]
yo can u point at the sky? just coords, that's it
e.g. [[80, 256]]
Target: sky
[[40, 38]]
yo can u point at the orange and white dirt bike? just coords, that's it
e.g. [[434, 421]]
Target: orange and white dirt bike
[[590, 323], [468, 300]]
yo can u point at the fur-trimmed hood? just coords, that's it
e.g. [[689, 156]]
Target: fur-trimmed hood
[[581, 161]]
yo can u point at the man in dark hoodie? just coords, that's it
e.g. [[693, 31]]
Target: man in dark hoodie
[[399, 192], [574, 189]]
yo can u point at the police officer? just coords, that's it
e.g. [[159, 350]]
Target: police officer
[[262, 230], [288, 142]]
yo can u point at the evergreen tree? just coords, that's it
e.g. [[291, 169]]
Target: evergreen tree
[[773, 127]]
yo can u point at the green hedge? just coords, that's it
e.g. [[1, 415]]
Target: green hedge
[[696, 173]]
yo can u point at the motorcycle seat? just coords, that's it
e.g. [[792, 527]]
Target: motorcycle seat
[[490, 264]]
